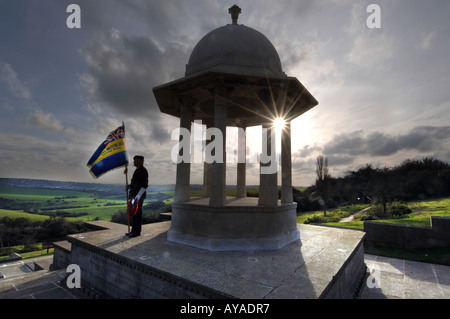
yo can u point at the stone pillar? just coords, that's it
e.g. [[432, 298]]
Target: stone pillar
[[207, 170], [240, 187], [183, 186], [218, 183], [268, 189], [286, 165]]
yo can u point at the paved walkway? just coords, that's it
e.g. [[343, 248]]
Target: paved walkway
[[391, 278], [20, 282], [403, 279], [351, 217]]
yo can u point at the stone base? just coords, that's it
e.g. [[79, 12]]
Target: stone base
[[239, 225], [325, 263]]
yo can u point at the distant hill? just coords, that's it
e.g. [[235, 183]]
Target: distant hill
[[111, 189]]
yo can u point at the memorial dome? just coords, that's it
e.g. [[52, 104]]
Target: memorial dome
[[235, 48]]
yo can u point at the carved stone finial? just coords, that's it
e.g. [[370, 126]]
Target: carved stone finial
[[234, 11]]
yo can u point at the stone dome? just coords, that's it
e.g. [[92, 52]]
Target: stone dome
[[241, 66], [235, 49]]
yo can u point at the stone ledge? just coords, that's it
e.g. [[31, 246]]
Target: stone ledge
[[12, 257], [326, 263]]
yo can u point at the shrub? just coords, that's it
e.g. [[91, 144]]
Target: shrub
[[120, 217], [320, 219], [59, 227], [394, 210], [18, 231], [316, 219], [398, 210]]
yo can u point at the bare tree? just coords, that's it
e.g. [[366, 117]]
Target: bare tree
[[322, 168], [322, 181]]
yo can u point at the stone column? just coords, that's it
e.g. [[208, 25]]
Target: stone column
[[268, 189], [240, 187], [183, 186], [286, 165], [218, 183], [207, 171]]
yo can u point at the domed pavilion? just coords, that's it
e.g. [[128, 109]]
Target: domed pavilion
[[234, 77]]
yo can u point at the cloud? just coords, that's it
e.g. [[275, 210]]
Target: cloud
[[123, 69], [7, 107], [29, 156], [421, 139], [427, 38], [371, 47], [425, 138], [16, 87], [350, 151], [308, 151], [45, 121], [371, 51]]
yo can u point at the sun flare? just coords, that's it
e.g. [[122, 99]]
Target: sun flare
[[279, 124]]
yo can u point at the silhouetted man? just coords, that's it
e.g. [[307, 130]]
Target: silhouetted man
[[138, 186]]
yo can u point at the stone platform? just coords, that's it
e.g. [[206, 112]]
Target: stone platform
[[325, 263], [240, 224]]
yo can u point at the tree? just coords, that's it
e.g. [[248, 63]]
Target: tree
[[322, 168], [385, 188], [322, 181]]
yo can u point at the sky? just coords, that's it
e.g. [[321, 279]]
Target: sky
[[383, 92]]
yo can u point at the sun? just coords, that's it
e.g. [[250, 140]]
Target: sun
[[279, 123]]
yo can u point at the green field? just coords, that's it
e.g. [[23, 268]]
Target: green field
[[83, 205], [19, 214], [42, 204], [33, 202], [420, 216], [36, 203]]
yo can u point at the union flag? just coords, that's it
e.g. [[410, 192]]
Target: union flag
[[111, 154]]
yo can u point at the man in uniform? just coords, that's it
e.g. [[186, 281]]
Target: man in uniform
[[138, 186]]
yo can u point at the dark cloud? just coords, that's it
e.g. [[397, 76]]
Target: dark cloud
[[123, 69], [350, 151], [345, 160], [421, 139], [425, 138], [307, 151], [346, 143], [380, 144]]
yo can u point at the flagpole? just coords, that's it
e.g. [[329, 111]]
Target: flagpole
[[126, 182], [126, 189]]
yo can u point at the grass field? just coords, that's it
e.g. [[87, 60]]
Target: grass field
[[32, 203], [421, 212], [333, 215], [19, 202], [19, 214]]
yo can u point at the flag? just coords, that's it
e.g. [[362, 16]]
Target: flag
[[111, 154]]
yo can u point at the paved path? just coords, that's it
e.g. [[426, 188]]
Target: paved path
[[20, 282], [350, 218], [403, 279], [396, 279]]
